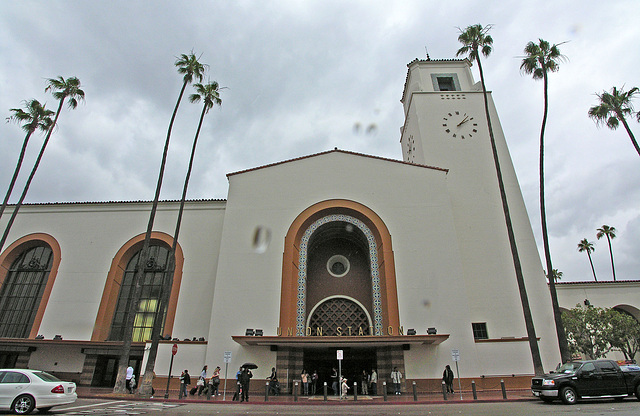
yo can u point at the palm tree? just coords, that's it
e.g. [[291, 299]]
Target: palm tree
[[540, 59], [188, 66], [36, 117], [210, 95], [475, 40], [585, 245], [556, 275], [610, 233], [613, 109], [62, 90]]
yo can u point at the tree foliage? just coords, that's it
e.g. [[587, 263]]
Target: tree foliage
[[614, 108], [593, 332]]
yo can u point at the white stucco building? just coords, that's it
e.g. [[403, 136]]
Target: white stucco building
[[332, 251]]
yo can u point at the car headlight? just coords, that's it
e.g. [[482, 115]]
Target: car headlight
[[548, 382]]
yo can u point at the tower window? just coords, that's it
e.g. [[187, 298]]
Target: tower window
[[480, 330], [445, 82]]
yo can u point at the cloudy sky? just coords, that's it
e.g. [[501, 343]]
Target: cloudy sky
[[299, 75]]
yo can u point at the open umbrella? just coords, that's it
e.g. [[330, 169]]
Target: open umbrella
[[250, 366]]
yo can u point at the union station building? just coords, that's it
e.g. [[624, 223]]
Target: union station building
[[396, 263]]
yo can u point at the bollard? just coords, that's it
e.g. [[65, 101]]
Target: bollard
[[473, 388], [384, 390], [266, 392], [444, 391], [295, 391], [504, 390], [209, 388], [325, 391], [415, 392], [355, 391]]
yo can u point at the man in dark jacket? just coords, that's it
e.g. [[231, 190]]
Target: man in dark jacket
[[245, 378], [447, 377]]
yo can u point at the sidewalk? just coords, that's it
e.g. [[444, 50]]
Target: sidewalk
[[406, 398]]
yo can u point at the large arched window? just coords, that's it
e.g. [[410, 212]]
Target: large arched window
[[152, 284], [23, 289]]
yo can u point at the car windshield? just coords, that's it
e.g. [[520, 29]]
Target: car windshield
[[568, 368], [46, 376]]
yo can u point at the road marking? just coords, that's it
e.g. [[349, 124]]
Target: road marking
[[94, 405]]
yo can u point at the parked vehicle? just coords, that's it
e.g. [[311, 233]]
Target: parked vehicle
[[23, 390], [588, 379]]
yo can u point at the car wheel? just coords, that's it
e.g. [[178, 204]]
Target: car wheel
[[568, 395], [23, 405], [638, 392]]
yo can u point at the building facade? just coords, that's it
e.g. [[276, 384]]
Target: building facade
[[389, 263]]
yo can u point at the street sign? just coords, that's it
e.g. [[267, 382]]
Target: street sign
[[455, 355], [340, 355], [174, 349], [227, 357]]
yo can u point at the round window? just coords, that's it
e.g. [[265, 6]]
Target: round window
[[338, 266]]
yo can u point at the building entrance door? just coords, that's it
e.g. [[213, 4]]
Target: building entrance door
[[325, 359]]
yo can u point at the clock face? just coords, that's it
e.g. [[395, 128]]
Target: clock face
[[459, 124]]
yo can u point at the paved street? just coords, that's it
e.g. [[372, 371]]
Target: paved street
[[97, 407]]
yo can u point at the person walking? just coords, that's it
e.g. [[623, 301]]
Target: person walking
[[245, 378], [364, 382], [185, 380], [396, 377], [374, 382], [236, 396], [345, 389], [274, 387], [447, 377], [304, 377], [214, 382], [334, 381], [128, 376], [202, 380], [314, 382]]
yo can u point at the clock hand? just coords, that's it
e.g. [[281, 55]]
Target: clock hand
[[464, 120]]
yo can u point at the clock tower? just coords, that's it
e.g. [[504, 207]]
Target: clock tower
[[446, 126]]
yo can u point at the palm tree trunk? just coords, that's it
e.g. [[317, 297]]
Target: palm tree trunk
[[592, 269], [631, 136], [28, 183], [613, 269], [524, 299], [120, 386], [15, 173], [565, 354], [168, 284]]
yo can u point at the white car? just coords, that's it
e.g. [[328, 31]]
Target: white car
[[23, 390]]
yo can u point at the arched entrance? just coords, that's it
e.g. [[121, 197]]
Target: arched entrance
[[317, 244], [338, 280]]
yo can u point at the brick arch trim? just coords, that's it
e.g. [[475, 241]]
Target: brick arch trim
[[114, 279], [292, 249], [11, 254]]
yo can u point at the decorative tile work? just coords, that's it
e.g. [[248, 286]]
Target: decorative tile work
[[302, 271]]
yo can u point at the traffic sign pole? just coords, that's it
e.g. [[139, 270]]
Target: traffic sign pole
[[227, 360], [174, 351], [455, 355]]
